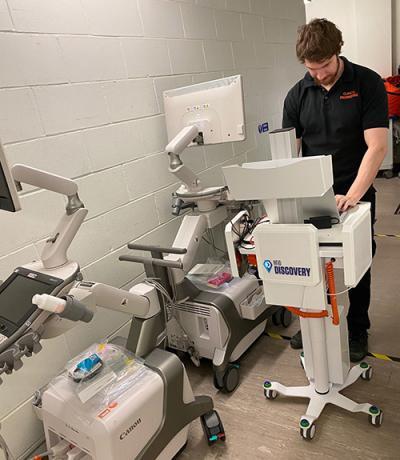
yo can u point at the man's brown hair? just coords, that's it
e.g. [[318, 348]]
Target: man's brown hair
[[318, 40]]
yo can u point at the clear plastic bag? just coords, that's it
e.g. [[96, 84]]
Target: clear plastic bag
[[214, 273], [255, 299], [120, 371]]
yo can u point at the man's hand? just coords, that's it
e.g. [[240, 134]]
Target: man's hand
[[344, 202]]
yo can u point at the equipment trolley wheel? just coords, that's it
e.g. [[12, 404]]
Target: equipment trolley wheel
[[376, 416], [367, 374], [282, 317], [307, 430], [231, 378], [212, 427], [270, 394]]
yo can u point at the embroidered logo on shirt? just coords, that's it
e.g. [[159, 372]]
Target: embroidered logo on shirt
[[349, 94]]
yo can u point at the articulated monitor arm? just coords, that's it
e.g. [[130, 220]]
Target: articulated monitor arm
[[85, 296], [178, 144], [47, 181], [205, 198], [140, 301], [55, 251]]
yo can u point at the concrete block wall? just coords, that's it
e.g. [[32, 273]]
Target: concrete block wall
[[81, 87]]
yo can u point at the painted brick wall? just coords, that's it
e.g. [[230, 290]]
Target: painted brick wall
[[81, 85]]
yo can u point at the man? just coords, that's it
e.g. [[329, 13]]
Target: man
[[340, 109]]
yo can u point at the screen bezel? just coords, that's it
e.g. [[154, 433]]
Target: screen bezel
[[9, 202], [33, 275]]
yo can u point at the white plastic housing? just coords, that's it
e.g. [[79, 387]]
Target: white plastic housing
[[100, 434], [45, 180], [289, 265], [280, 179], [189, 236], [357, 250], [54, 253], [139, 303], [288, 254]]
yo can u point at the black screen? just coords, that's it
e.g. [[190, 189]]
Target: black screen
[[6, 201], [16, 299]]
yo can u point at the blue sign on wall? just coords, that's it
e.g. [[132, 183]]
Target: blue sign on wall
[[263, 127]]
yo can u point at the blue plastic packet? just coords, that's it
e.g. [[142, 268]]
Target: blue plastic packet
[[87, 368]]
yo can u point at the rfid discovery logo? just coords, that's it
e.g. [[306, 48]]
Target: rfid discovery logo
[[268, 265], [280, 269]]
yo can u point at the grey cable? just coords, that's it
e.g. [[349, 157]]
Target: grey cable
[[171, 301]]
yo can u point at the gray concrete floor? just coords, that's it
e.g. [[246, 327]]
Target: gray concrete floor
[[259, 429]]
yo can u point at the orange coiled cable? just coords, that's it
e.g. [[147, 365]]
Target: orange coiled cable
[[332, 292], [322, 314], [307, 314]]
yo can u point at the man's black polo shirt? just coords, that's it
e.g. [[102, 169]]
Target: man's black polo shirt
[[333, 122]]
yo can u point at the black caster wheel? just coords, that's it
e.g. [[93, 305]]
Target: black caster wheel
[[367, 374], [388, 174], [376, 416], [307, 430], [231, 378], [212, 427], [282, 317], [286, 318], [270, 394], [217, 383], [276, 320]]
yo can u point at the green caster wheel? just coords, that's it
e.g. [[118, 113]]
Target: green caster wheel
[[376, 416], [269, 393], [367, 374], [307, 430]]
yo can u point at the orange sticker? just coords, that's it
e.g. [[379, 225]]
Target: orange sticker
[[108, 409], [104, 413]]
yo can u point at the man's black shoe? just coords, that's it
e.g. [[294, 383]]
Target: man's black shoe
[[296, 342], [358, 346]]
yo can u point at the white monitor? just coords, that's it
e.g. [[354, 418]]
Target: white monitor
[[214, 107], [9, 200]]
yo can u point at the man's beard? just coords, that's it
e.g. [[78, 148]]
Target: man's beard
[[331, 79], [326, 81]]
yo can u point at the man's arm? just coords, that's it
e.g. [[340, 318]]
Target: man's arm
[[376, 140], [290, 117]]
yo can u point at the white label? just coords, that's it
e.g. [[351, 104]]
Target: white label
[[3, 338], [97, 385]]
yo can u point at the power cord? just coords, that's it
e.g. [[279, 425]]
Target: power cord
[[169, 305], [213, 245], [249, 226]]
